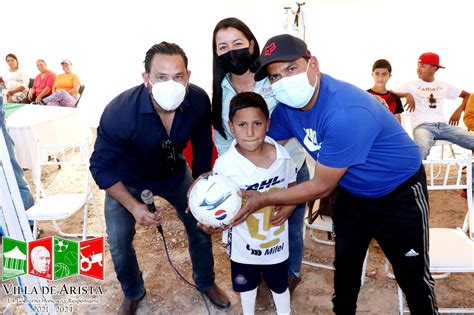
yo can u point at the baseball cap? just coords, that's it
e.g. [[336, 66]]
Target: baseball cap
[[66, 61], [280, 48], [430, 58]]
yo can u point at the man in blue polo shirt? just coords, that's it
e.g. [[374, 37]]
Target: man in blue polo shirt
[[140, 142], [361, 149]]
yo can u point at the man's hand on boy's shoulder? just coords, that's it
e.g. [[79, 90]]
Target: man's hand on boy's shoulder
[[410, 103], [409, 100]]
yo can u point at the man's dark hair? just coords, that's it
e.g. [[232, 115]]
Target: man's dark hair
[[163, 48], [246, 100], [218, 73], [382, 63]]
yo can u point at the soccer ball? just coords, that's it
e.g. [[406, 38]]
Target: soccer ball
[[60, 245], [214, 200]]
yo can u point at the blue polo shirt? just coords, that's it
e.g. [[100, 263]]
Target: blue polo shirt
[[130, 138], [347, 127]]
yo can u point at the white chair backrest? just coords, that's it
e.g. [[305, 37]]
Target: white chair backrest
[[406, 123], [456, 174], [62, 155]]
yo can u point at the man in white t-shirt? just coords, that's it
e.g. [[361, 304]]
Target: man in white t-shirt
[[427, 119]]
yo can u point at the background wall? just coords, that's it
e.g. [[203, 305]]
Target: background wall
[[107, 40]]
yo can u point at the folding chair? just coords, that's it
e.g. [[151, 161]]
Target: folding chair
[[63, 206], [451, 250], [324, 223], [81, 90], [30, 86], [443, 144]]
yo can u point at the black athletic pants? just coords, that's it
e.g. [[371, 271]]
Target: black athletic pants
[[399, 223]]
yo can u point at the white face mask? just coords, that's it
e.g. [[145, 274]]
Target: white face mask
[[294, 91], [168, 94]]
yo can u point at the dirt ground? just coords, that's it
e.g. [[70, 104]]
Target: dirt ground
[[167, 294]]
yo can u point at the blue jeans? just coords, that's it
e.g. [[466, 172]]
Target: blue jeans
[[23, 186], [121, 231], [295, 230], [426, 134]]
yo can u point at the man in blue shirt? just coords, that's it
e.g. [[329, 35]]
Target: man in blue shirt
[[360, 148], [140, 142]]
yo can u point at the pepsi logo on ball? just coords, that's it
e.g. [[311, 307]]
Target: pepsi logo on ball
[[220, 214]]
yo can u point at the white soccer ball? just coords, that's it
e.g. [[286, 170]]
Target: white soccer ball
[[214, 200]]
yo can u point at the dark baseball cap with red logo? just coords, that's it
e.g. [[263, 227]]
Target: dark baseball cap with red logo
[[280, 48]]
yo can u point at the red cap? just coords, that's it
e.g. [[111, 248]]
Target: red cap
[[430, 58]]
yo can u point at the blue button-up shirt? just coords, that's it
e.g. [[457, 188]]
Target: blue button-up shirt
[[130, 137]]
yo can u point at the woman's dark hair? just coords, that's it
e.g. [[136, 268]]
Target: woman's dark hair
[[218, 73], [11, 56], [163, 48], [246, 100]]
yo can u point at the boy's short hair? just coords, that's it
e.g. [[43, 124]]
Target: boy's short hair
[[246, 100], [382, 63]]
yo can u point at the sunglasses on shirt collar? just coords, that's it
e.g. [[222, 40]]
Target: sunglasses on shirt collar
[[170, 155]]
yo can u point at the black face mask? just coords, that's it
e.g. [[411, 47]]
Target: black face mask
[[236, 61]]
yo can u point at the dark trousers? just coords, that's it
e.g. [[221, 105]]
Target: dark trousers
[[121, 232], [399, 223]]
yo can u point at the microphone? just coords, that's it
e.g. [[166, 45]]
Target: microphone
[[148, 199]]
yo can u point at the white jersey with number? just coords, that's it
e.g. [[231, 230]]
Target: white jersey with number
[[429, 99], [256, 241]]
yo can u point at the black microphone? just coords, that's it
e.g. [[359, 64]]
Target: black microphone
[[147, 198]]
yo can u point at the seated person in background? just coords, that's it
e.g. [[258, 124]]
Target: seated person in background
[[381, 73], [43, 85], [427, 119], [15, 81], [469, 113], [65, 89]]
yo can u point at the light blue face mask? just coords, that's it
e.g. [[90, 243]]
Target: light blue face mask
[[294, 91]]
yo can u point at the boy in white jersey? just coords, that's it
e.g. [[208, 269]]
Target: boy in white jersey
[[258, 247]]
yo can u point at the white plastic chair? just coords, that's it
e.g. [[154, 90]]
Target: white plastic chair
[[443, 144], [62, 206], [451, 250], [324, 223]]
